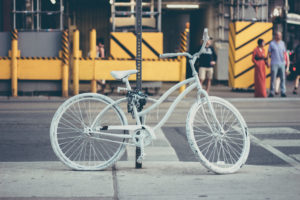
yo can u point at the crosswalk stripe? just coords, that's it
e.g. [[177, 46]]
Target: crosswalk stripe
[[282, 143], [296, 157], [276, 152], [274, 130]]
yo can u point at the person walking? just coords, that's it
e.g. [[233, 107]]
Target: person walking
[[276, 53], [101, 84], [206, 63], [287, 64], [297, 64], [260, 61]]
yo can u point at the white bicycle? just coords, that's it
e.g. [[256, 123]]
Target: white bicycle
[[90, 131]]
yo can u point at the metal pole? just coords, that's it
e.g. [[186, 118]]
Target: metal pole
[[32, 19], [61, 15], [139, 43], [38, 15], [238, 10], [113, 16], [152, 8], [285, 21], [14, 14], [262, 10], [132, 8], [138, 29], [243, 10], [159, 16]]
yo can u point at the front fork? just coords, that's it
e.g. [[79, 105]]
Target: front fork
[[210, 107]]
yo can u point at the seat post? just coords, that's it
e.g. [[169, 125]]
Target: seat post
[[126, 81]]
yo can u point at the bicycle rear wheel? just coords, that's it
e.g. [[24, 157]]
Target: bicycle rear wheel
[[221, 151], [72, 137]]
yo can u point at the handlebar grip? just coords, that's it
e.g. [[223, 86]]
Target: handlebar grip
[[205, 35], [168, 55]]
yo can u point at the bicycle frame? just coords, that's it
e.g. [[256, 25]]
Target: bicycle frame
[[139, 115], [195, 84]]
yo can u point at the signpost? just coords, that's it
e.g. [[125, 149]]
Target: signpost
[[138, 30]]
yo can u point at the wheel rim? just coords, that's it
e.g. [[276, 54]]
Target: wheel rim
[[73, 140], [221, 150]]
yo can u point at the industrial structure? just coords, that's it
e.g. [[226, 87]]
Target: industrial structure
[[49, 45]]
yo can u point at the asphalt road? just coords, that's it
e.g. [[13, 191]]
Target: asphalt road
[[24, 128]]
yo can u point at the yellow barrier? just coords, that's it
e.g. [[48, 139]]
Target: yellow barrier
[[92, 69], [243, 38], [157, 70], [123, 45], [153, 70], [16, 68], [5, 68]]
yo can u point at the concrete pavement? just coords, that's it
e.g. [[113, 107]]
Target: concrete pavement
[[157, 180]]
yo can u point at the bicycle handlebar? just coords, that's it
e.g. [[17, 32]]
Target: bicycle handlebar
[[205, 39], [170, 55], [205, 35]]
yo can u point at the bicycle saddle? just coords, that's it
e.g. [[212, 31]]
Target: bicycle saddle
[[122, 74]]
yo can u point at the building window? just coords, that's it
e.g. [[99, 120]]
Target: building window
[[38, 15]]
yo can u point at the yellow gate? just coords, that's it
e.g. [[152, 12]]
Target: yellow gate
[[243, 38]]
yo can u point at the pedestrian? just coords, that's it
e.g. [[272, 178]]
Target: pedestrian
[[101, 84], [297, 64], [287, 64], [260, 61], [206, 63], [276, 53]]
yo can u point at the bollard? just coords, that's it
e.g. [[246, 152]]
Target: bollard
[[182, 72], [183, 48], [93, 44], [14, 63], [184, 38], [76, 54], [65, 67]]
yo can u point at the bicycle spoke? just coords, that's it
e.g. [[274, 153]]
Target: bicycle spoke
[[218, 137], [79, 148]]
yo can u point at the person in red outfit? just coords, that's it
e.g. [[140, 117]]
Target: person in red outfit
[[260, 61]]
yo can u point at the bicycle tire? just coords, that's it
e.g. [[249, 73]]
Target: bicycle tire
[[210, 145], [74, 145]]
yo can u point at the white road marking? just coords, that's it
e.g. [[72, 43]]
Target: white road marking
[[296, 157], [159, 150], [274, 130], [282, 143], [276, 152]]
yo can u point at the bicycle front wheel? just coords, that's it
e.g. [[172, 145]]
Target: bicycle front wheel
[[221, 150], [73, 136]]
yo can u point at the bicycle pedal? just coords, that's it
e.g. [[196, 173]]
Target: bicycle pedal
[[141, 158]]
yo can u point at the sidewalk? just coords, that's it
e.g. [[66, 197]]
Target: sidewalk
[[225, 91], [156, 180], [219, 90]]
